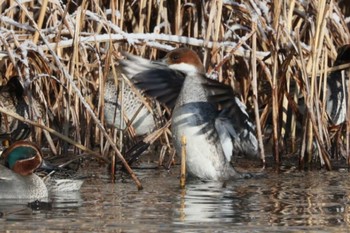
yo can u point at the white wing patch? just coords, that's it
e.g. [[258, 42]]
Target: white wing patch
[[225, 131], [236, 135]]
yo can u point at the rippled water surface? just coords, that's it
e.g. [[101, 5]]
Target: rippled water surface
[[288, 202]]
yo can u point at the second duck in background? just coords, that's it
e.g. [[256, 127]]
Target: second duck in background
[[135, 112]]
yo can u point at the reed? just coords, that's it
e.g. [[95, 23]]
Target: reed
[[63, 53]]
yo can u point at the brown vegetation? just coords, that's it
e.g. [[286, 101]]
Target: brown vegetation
[[63, 54]]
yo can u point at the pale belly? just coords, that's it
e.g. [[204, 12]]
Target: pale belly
[[204, 156]]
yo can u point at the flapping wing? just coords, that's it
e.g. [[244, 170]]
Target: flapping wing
[[154, 79], [234, 127]]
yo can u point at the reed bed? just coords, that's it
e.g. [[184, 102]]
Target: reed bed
[[274, 52]]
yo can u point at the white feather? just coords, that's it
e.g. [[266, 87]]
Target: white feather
[[225, 138]]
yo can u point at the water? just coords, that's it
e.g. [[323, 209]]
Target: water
[[287, 202]]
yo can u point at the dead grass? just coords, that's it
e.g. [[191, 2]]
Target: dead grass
[[272, 50]]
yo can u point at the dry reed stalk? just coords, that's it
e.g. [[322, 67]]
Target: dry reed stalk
[[152, 137], [122, 115], [40, 20], [142, 5], [284, 113], [84, 43], [178, 18], [183, 162], [89, 110], [293, 124], [316, 42], [255, 97], [302, 66], [145, 38], [324, 100], [275, 112]]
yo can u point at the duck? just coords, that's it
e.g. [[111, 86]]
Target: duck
[[141, 118], [12, 98], [209, 114], [336, 97], [17, 178]]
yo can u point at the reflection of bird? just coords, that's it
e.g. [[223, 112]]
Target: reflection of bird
[[337, 91], [134, 110], [11, 98], [17, 180], [212, 134]]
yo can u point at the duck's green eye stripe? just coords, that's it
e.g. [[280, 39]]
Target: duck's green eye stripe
[[19, 153]]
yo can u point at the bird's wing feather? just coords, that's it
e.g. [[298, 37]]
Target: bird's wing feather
[[154, 79], [233, 121]]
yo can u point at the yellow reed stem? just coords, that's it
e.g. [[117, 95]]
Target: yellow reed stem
[[40, 20], [183, 162]]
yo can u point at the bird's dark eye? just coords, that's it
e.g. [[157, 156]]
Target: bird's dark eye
[[175, 57]]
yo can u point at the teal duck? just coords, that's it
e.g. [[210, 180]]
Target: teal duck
[[17, 180]]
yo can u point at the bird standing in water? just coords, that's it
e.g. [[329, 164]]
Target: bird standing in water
[[209, 114]]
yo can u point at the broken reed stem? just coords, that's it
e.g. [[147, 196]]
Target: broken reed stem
[[183, 162], [255, 97]]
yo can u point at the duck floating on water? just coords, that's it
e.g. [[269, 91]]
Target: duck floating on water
[[17, 180], [208, 113]]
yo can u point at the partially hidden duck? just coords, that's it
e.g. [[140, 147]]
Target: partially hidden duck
[[17, 180], [12, 98], [337, 88], [135, 112], [206, 112]]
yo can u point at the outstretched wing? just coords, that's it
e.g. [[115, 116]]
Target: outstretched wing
[[155, 79], [234, 127]]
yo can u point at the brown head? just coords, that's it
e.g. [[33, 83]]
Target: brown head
[[185, 60]]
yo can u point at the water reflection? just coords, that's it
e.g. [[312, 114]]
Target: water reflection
[[66, 200], [203, 202], [299, 199], [288, 202]]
